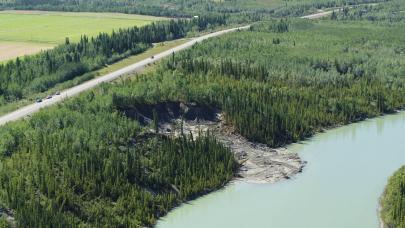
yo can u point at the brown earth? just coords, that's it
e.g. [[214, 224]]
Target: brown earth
[[11, 50]]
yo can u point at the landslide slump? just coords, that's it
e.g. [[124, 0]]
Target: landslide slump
[[258, 162], [166, 111]]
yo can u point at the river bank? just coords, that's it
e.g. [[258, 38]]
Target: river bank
[[360, 156], [258, 162], [381, 221]]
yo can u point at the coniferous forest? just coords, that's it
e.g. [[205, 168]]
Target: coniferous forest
[[389, 12], [181, 8], [281, 82], [32, 74], [393, 200], [86, 163]]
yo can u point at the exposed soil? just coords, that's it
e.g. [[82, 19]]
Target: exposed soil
[[258, 162], [11, 50]]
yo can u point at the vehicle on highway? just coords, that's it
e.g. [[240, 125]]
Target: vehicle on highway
[[38, 100], [108, 77], [152, 57], [49, 97], [57, 93]]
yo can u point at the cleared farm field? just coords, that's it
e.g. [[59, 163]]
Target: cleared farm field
[[27, 32], [54, 27], [10, 50]]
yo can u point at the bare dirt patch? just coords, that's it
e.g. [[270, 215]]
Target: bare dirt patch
[[11, 50]]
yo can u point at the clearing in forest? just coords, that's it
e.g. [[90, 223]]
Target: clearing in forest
[[27, 32]]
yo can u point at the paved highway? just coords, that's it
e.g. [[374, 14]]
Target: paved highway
[[329, 12], [319, 15], [32, 108]]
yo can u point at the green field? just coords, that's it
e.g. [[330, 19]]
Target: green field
[[54, 27]]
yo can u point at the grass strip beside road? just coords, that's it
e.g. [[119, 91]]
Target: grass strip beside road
[[158, 48]]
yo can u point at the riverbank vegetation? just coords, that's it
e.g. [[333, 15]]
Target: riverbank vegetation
[[393, 200]]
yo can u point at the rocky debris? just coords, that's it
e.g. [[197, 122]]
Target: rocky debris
[[258, 162], [8, 214]]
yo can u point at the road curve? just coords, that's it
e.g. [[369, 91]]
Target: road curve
[[319, 15], [32, 108]]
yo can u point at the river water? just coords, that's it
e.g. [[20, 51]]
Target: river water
[[346, 173]]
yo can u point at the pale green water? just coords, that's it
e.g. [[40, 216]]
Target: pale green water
[[346, 173]]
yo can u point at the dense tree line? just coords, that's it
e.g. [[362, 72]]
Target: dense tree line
[[37, 73], [391, 11], [393, 200], [299, 8], [84, 164], [277, 93], [250, 9], [156, 7]]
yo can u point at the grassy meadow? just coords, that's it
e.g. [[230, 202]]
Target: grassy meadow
[[32, 31], [54, 27]]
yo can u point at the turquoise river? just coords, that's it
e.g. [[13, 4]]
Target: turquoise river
[[340, 186]]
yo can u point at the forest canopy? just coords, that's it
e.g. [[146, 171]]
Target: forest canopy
[[388, 12], [85, 162], [23, 77], [181, 8], [282, 81]]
